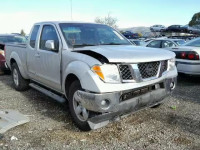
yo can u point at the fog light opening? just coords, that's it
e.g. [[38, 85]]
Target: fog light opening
[[105, 103], [172, 85]]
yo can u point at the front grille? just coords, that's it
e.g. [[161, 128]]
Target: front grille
[[125, 72], [148, 70]]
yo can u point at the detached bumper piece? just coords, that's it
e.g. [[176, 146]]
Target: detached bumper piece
[[10, 119], [113, 105]]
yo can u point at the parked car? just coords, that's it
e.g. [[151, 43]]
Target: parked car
[[137, 42], [165, 43], [185, 37], [191, 30], [187, 57], [178, 41], [130, 35], [157, 28], [4, 39], [101, 74], [174, 28], [148, 40]]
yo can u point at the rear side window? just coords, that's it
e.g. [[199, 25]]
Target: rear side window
[[166, 44], [34, 36], [155, 44]]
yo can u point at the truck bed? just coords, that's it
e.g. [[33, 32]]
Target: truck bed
[[20, 49]]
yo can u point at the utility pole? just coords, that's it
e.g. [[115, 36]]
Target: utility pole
[[71, 9]]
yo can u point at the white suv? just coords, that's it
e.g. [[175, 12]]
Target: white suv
[[157, 28]]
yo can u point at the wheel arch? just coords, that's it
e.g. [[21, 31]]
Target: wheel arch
[[78, 70], [68, 81], [14, 58]]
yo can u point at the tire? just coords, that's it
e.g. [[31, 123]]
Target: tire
[[19, 82], [80, 122]]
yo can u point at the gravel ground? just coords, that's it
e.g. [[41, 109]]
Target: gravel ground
[[174, 125]]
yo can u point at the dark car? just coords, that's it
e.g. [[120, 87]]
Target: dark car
[[174, 28], [130, 35], [192, 30], [4, 39]]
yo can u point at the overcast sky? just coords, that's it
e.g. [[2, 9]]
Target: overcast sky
[[22, 14]]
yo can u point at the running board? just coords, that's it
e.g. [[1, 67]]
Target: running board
[[48, 93]]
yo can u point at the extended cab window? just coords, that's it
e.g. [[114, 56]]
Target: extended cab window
[[155, 44], [49, 33], [34, 36]]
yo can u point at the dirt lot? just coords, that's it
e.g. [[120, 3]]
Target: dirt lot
[[174, 125]]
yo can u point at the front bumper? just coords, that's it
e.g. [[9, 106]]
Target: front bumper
[[124, 102], [191, 68]]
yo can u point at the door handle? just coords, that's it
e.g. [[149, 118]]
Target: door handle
[[37, 55]]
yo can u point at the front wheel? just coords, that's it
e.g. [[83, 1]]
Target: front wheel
[[78, 112], [19, 82]]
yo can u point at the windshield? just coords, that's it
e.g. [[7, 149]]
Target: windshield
[[12, 39], [180, 42], [77, 34], [194, 42]]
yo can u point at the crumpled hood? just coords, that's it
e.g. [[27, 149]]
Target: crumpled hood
[[129, 53]]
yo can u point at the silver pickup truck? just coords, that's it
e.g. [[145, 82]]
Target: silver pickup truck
[[94, 68]]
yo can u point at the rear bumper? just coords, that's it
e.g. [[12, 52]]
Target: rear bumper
[[188, 67], [125, 102]]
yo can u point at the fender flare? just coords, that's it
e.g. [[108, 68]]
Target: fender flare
[[15, 56], [82, 71]]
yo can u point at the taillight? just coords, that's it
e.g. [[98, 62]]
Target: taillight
[[189, 55], [2, 52], [183, 55], [193, 56], [197, 57]]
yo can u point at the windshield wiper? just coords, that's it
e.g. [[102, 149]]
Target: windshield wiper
[[82, 45], [112, 43]]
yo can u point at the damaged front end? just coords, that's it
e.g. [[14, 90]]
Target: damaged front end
[[112, 106]]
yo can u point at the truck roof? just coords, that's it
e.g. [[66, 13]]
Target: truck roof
[[58, 22], [9, 35]]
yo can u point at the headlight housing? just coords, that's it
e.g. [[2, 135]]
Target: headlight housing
[[172, 63], [108, 73]]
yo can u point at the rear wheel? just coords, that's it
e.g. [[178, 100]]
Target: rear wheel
[[78, 112], [19, 82]]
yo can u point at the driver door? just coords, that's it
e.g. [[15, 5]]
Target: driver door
[[49, 60]]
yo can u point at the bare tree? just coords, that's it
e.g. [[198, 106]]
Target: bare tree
[[195, 21], [108, 20], [23, 33]]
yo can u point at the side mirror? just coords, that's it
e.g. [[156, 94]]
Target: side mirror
[[50, 45]]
